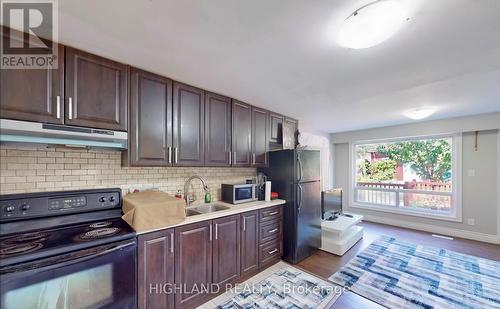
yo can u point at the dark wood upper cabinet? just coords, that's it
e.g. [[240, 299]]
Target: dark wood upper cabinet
[[32, 94], [226, 254], [290, 132], [217, 130], [150, 131], [260, 136], [241, 133], [188, 125], [193, 262], [96, 91], [155, 268], [249, 243], [276, 128]]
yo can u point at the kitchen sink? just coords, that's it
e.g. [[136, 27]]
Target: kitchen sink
[[204, 209], [191, 212]]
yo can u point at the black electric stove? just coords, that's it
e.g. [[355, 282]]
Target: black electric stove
[[73, 238], [41, 243]]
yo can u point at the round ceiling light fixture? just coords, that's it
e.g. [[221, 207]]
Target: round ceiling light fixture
[[419, 113], [372, 24]]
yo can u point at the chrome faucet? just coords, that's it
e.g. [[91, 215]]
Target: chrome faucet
[[188, 197]]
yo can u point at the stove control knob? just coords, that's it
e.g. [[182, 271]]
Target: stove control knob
[[111, 199], [25, 207], [102, 199], [9, 209]]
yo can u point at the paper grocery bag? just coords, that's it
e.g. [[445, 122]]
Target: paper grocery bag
[[152, 210]]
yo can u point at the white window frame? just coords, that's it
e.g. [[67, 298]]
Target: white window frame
[[456, 195]]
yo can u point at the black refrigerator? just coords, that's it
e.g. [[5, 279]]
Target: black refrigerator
[[295, 175]]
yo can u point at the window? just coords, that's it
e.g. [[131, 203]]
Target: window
[[418, 176]]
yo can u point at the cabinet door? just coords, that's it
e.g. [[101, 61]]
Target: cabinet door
[[241, 131], [276, 128], [290, 132], [96, 91], [33, 94], [217, 130], [193, 267], [249, 243], [260, 136], [150, 119], [226, 258], [188, 125], [155, 269]]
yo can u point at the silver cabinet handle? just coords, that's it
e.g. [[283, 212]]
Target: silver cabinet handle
[[230, 158], [273, 231], [244, 224], [70, 104], [273, 213], [253, 158], [216, 230], [171, 242], [169, 154], [58, 107], [272, 251], [210, 232], [176, 155]]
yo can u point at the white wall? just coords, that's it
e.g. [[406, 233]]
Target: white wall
[[321, 142], [480, 193]]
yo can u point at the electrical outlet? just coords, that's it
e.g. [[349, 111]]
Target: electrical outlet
[[471, 173], [471, 221]]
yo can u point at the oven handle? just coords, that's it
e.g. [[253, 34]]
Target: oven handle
[[68, 258]]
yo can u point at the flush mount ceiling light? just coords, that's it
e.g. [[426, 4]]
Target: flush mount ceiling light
[[373, 24], [419, 113]]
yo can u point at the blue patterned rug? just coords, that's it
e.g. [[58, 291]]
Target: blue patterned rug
[[281, 286], [399, 274]]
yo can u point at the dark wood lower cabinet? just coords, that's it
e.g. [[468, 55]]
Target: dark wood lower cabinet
[[226, 250], [249, 243], [193, 263], [155, 269], [178, 267]]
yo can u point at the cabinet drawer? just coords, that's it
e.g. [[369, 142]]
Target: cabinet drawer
[[271, 213], [270, 252], [270, 230]]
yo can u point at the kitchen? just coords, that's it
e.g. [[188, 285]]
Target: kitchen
[[94, 130], [255, 154]]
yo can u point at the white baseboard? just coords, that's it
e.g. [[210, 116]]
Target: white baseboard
[[494, 239]]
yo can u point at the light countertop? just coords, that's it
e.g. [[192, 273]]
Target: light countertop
[[233, 209]]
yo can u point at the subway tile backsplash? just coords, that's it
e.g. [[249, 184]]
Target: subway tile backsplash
[[39, 168]]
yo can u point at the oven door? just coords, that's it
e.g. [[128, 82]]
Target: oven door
[[100, 277]]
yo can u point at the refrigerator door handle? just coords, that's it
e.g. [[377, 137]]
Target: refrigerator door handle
[[299, 199], [299, 167]]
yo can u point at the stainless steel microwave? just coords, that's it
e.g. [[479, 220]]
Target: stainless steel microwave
[[236, 194]]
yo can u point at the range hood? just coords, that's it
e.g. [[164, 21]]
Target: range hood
[[54, 134]]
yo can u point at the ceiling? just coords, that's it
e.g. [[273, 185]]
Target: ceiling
[[282, 55]]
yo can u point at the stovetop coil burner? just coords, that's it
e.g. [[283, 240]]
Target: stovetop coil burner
[[26, 237], [21, 248], [100, 224], [99, 233]]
